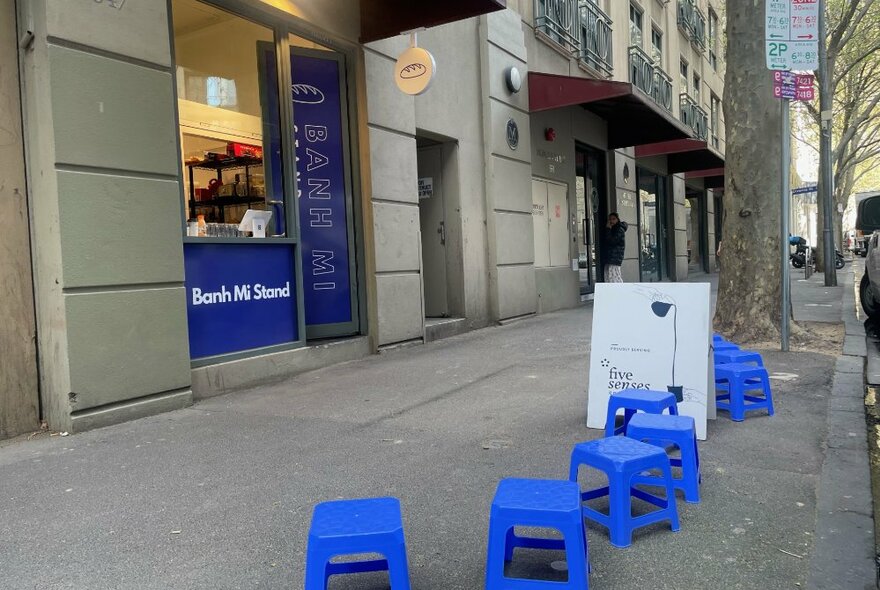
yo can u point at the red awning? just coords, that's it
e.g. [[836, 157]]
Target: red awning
[[633, 117], [683, 155], [381, 19]]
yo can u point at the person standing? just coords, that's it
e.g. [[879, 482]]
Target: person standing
[[615, 248]]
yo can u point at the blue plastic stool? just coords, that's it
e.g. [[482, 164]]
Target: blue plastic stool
[[735, 379], [632, 400], [744, 357], [659, 430], [724, 346], [536, 503], [718, 338], [347, 527], [622, 459]]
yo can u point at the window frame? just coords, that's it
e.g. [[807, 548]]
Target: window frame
[[639, 14], [713, 38], [657, 33], [714, 118], [684, 75]]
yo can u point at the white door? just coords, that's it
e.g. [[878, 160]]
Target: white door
[[432, 220], [557, 213], [540, 223], [551, 223]]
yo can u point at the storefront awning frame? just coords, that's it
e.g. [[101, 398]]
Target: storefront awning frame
[[381, 19], [712, 177], [685, 155], [633, 117]]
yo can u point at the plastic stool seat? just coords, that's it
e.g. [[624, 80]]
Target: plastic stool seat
[[724, 346], [659, 429], [622, 459], [735, 379], [346, 527], [536, 503], [633, 400], [738, 356]]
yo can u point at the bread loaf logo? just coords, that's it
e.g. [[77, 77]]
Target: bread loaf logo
[[413, 71], [307, 94]]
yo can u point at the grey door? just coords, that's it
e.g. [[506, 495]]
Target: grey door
[[432, 220]]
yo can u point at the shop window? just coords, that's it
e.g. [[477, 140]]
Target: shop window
[[269, 250], [229, 123]]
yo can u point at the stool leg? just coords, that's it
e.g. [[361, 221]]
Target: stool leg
[[577, 555], [671, 506], [619, 509], [316, 569], [398, 567], [690, 472], [673, 409], [765, 382], [627, 416], [509, 545], [611, 416], [495, 553], [573, 467], [737, 401]]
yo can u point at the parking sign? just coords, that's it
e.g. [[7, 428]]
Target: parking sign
[[791, 31]]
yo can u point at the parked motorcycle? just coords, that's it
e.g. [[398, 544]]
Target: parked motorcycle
[[799, 257]]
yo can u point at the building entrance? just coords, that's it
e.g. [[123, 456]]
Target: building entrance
[[591, 211], [432, 222]]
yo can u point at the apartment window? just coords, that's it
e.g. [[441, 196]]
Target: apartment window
[[635, 26], [713, 39], [697, 87], [657, 46], [714, 108], [683, 68]]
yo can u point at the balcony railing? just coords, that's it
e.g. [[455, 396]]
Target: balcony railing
[[596, 38], [662, 89], [578, 28], [649, 78], [692, 22], [693, 116], [557, 20]]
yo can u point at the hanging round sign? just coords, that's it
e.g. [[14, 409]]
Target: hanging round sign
[[414, 70]]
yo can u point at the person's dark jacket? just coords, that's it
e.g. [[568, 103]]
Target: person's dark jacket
[[615, 243]]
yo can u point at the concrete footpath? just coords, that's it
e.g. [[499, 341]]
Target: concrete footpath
[[844, 555], [220, 495]]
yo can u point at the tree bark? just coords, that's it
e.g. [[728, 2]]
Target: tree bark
[[750, 284]]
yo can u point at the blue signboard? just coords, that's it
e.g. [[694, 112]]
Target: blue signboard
[[805, 189], [321, 187], [239, 296]]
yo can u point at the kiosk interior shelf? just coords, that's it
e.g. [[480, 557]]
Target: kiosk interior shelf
[[221, 202]]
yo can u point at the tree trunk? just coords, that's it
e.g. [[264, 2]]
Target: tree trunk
[[819, 246], [750, 284]]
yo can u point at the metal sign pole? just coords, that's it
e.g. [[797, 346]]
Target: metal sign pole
[[785, 221]]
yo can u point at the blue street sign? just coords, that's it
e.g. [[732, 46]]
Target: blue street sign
[[805, 189]]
